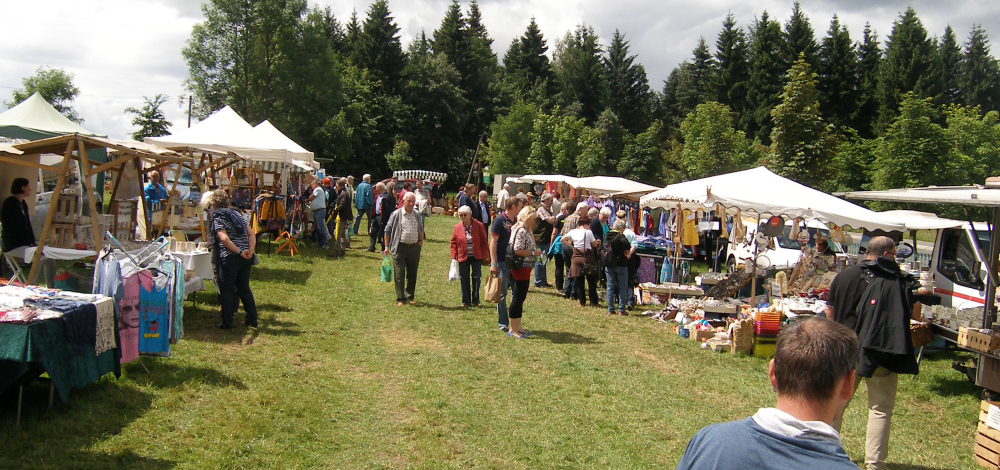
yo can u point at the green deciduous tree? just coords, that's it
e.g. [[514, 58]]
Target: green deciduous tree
[[801, 142], [591, 160], [150, 119], [565, 146], [629, 95], [611, 135], [711, 145], [399, 158], [976, 136], [915, 151], [511, 138], [55, 85], [852, 164], [539, 160], [644, 155], [237, 55]]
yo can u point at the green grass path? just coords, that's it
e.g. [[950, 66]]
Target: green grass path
[[339, 377]]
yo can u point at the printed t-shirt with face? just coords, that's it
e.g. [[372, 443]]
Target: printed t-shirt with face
[[501, 227]]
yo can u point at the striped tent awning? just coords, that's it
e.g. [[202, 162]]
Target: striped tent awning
[[273, 167], [420, 175]]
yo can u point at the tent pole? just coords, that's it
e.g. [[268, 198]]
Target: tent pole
[[53, 204], [87, 185]]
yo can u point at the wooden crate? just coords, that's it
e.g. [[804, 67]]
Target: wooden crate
[[62, 235], [974, 339], [987, 446]]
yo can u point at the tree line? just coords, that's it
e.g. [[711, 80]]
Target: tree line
[[834, 113]]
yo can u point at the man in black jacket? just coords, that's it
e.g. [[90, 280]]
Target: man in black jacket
[[616, 267], [876, 300]]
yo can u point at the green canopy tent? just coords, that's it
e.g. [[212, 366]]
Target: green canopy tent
[[36, 119]]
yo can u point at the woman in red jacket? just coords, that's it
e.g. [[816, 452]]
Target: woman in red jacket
[[471, 248]]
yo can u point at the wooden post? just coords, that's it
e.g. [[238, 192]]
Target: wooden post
[[95, 217], [60, 183], [170, 196]]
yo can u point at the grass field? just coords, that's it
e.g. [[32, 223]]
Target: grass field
[[339, 377]]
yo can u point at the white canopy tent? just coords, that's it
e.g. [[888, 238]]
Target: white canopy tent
[[225, 131], [764, 192], [603, 185], [916, 220]]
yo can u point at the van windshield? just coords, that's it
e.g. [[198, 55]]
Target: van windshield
[[785, 240], [186, 177]]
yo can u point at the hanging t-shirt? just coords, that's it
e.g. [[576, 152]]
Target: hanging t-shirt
[[154, 315], [128, 319], [690, 235]]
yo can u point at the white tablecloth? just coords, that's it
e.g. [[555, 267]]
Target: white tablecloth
[[199, 261], [196, 284], [59, 253]]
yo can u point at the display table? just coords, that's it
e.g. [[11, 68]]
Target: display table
[[41, 346], [198, 261], [52, 252]]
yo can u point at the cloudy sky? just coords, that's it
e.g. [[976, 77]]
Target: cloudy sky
[[122, 50]]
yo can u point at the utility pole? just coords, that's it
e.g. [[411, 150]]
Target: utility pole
[[189, 111]]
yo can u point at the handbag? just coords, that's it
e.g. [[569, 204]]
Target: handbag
[[386, 269], [513, 261], [491, 291]]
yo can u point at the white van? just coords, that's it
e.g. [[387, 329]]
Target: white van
[[783, 252], [958, 266]]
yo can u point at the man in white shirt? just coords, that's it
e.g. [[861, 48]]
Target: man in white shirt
[[317, 206], [502, 197], [798, 431]]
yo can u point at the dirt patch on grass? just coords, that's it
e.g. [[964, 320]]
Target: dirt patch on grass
[[662, 364], [406, 341]]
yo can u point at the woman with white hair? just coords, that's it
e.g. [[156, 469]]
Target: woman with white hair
[[470, 247], [234, 247], [522, 242]]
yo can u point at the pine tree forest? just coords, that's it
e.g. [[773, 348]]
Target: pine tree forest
[[830, 108]]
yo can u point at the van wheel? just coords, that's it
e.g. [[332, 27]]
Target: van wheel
[[731, 265]]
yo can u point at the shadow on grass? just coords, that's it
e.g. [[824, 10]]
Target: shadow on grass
[[289, 276], [272, 308], [270, 326], [563, 337], [163, 373], [450, 308], [907, 466], [956, 386], [62, 437]]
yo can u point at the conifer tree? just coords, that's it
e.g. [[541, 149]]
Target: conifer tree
[[869, 62], [732, 71], [838, 82], [949, 56], [630, 97], [580, 71], [382, 52], [799, 39], [908, 66], [766, 71], [526, 64], [979, 72]]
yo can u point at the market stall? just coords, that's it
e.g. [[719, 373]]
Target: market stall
[[67, 225]]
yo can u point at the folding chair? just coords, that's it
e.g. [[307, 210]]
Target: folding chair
[[17, 269]]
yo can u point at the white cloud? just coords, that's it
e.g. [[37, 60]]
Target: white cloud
[[122, 50]]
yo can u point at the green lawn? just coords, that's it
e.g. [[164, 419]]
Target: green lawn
[[338, 377]]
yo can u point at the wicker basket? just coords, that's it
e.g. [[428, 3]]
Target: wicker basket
[[921, 334]]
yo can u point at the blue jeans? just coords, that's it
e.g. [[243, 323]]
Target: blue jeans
[[502, 320], [357, 222], [540, 274], [617, 287], [319, 226], [567, 256], [470, 287]]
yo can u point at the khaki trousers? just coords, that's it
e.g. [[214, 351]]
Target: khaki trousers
[[881, 401]]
